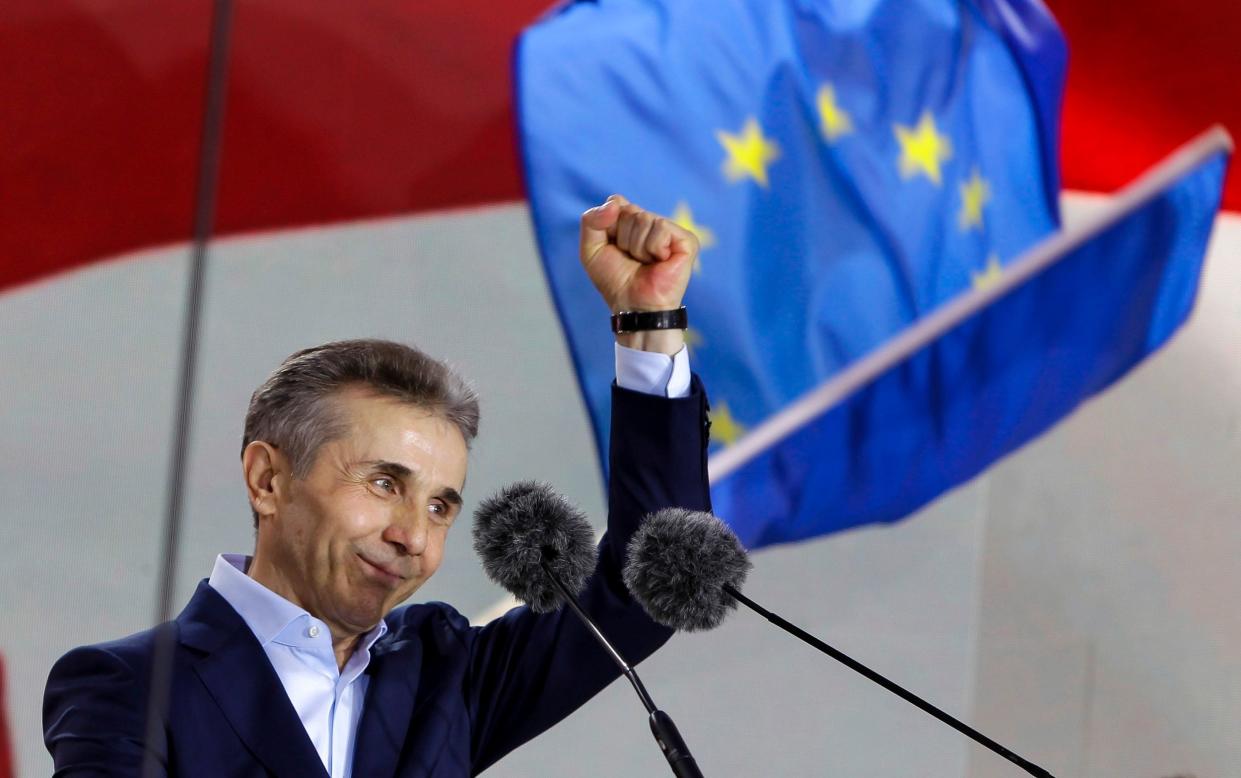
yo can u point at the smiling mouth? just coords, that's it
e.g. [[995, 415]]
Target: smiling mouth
[[386, 574]]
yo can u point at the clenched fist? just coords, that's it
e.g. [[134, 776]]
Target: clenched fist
[[638, 261]]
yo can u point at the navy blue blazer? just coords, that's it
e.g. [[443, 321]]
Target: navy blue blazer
[[444, 699]]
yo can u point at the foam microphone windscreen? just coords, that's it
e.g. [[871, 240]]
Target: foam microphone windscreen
[[678, 562], [524, 524]]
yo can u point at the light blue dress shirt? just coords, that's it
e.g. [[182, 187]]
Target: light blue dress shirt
[[329, 700], [653, 373]]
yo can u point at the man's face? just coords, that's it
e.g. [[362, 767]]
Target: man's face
[[366, 526]]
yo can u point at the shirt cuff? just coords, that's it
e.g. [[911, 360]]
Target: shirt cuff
[[650, 372]]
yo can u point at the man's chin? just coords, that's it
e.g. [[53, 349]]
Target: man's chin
[[359, 612], [400, 597], [367, 611]]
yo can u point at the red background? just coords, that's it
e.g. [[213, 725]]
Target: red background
[[338, 111]]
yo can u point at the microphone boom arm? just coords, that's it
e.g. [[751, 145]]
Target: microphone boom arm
[[896, 689], [665, 732], [624, 666]]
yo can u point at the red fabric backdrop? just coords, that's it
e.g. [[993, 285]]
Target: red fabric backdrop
[[338, 110], [1145, 76]]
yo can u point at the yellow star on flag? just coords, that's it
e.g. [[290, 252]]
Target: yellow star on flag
[[749, 152], [834, 121], [922, 149], [724, 427], [989, 276], [684, 217], [975, 193]]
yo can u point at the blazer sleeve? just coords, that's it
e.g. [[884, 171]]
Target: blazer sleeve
[[94, 713], [528, 671]]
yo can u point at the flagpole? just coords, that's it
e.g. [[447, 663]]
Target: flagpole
[[205, 196]]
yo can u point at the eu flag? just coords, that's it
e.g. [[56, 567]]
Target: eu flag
[[987, 372], [849, 166]]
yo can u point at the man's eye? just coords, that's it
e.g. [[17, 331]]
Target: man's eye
[[385, 483], [439, 510]]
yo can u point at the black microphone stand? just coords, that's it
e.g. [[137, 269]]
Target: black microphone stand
[[908, 696], [665, 732]]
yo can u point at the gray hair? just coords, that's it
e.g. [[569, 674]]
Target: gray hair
[[293, 409]]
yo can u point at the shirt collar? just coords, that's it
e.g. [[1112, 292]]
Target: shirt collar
[[268, 615]]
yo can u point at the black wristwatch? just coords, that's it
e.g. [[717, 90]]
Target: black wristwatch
[[638, 321]]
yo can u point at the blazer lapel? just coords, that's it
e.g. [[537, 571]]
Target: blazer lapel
[[384, 728], [244, 685]]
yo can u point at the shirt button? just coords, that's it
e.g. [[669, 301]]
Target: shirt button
[[314, 631]]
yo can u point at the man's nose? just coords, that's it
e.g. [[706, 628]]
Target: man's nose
[[407, 530]]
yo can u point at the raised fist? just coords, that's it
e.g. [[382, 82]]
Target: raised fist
[[638, 261]]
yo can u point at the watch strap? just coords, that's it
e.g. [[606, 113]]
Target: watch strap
[[639, 321]]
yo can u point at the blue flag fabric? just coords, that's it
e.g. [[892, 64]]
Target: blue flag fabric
[[847, 166], [1002, 375]]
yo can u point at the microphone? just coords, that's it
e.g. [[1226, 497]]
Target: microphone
[[524, 526], [686, 569], [540, 548], [678, 565]]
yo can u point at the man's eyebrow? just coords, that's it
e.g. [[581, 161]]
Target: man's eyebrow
[[450, 496], [396, 468]]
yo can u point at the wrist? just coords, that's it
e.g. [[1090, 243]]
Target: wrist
[[660, 341], [617, 305], [659, 330]]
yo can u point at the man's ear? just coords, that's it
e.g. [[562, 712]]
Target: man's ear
[[266, 471]]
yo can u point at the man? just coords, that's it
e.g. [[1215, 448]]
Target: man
[[297, 662]]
